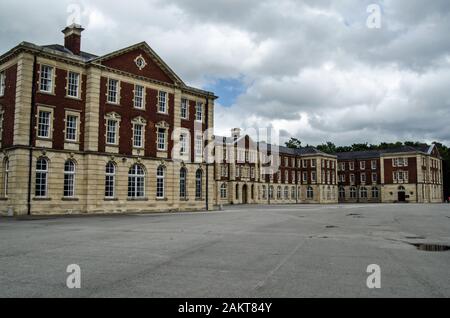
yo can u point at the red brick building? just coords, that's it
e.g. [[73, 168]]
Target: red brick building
[[82, 133], [405, 174]]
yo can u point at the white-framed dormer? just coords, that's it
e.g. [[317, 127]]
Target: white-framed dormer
[[112, 132]]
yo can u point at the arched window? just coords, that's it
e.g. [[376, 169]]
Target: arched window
[[341, 193], [136, 182], [160, 182], [41, 178], [286, 193], [328, 193], [6, 178], [199, 184], [363, 192], [271, 192], [375, 193], [183, 174], [110, 180], [279, 193], [223, 191], [69, 179], [310, 193], [293, 193], [353, 192]]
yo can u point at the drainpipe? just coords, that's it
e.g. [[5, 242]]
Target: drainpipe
[[32, 114], [207, 165]]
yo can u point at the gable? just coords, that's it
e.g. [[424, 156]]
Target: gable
[[153, 68]]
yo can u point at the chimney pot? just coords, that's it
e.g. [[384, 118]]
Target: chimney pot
[[72, 38]]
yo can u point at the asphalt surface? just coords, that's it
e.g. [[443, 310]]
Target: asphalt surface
[[244, 251]]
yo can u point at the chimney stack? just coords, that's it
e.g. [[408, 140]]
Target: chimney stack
[[236, 133], [72, 38]]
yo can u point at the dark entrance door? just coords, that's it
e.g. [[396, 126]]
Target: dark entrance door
[[401, 196], [244, 195]]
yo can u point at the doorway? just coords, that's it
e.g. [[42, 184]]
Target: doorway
[[244, 194], [401, 194]]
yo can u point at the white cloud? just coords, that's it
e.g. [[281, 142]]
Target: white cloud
[[311, 68]]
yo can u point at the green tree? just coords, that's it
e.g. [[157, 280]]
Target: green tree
[[294, 143], [329, 147]]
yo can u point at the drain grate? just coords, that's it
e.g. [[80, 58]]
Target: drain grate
[[432, 247]]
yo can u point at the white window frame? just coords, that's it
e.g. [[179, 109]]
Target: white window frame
[[160, 183], [363, 177], [69, 179], [163, 102], [2, 83], [184, 150], [138, 135], [137, 182], [5, 177], [139, 97], [73, 129], [113, 91], [48, 123], [199, 112], [42, 172], [46, 84], [161, 139], [183, 183], [313, 177], [73, 84], [199, 145], [184, 110], [110, 133], [110, 181], [374, 165]]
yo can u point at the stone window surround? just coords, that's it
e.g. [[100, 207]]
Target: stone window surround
[[116, 117], [144, 97], [162, 125], [167, 112], [138, 121], [76, 113], [119, 89], [52, 65], [80, 84], [46, 108]]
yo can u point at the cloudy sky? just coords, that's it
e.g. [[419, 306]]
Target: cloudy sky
[[311, 69]]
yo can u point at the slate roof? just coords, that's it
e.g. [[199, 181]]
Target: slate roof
[[84, 55], [370, 154]]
